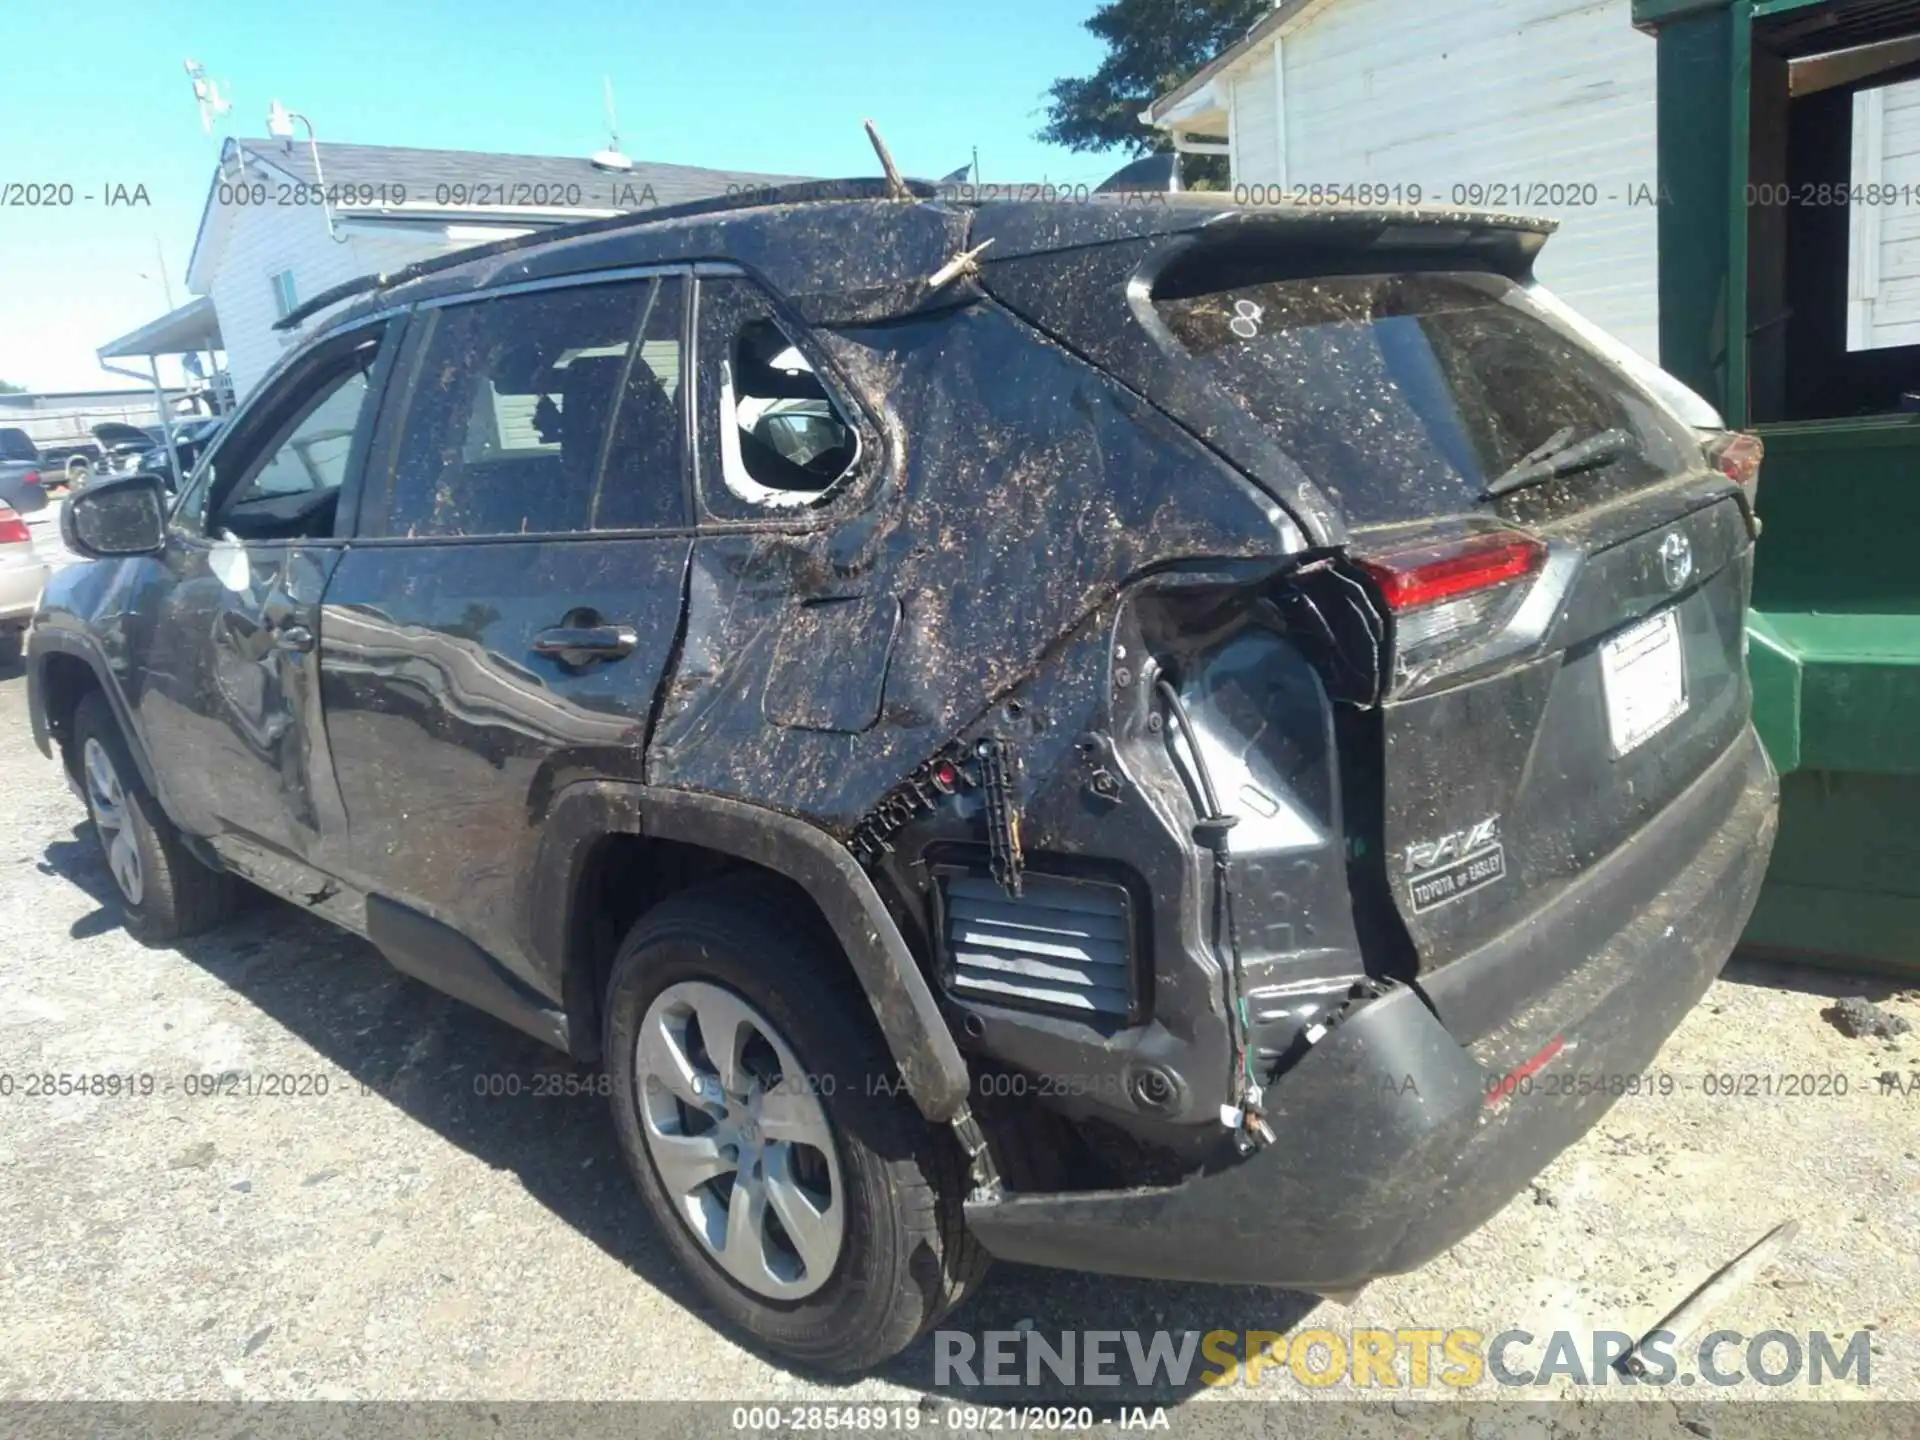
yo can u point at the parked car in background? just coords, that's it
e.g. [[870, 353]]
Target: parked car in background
[[22, 575], [22, 486], [1108, 736], [23, 471], [122, 447], [73, 462], [117, 448], [131, 449]]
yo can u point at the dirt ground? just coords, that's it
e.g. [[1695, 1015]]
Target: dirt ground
[[402, 1236]]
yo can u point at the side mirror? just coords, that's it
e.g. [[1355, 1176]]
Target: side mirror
[[116, 515]]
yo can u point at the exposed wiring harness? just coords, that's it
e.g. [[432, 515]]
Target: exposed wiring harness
[[1242, 1113]]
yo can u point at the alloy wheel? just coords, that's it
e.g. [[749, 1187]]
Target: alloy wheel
[[740, 1140], [107, 799]]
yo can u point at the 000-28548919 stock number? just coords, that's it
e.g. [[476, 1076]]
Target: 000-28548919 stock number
[[139, 1085]]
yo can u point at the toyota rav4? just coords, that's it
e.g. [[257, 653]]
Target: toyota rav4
[[1124, 736]]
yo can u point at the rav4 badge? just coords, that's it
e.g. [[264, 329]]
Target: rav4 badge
[[1456, 863]]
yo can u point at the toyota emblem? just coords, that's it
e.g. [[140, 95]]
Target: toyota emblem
[[1676, 560]]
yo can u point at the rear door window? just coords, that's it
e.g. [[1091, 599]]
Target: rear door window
[[1403, 395], [642, 483], [548, 412]]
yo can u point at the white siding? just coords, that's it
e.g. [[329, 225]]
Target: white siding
[[1884, 280], [1253, 120], [269, 239], [1521, 93]]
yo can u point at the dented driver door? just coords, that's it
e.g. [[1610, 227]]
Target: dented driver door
[[231, 704], [229, 708]]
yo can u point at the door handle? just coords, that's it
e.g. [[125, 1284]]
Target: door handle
[[583, 644], [297, 638]]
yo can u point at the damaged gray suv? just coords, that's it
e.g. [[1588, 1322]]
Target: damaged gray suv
[[1162, 739]]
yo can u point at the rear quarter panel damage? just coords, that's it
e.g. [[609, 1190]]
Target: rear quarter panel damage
[[1019, 491]]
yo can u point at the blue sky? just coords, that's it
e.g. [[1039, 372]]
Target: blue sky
[[778, 87]]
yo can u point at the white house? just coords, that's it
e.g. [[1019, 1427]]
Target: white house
[[285, 220], [1884, 292], [1543, 106]]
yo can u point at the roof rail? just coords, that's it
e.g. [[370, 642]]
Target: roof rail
[[746, 198]]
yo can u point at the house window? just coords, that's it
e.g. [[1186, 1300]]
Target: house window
[[284, 298]]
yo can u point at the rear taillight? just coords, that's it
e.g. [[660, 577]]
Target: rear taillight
[[13, 530], [1451, 593], [32, 477], [1428, 574], [1737, 456]]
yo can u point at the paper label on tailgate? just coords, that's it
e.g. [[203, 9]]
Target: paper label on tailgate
[[1643, 672]]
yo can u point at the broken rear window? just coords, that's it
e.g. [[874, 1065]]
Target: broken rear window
[[772, 436], [1404, 395]]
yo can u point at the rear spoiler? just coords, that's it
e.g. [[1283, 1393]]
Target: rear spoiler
[[1503, 242]]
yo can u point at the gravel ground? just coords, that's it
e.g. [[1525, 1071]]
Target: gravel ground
[[402, 1237]]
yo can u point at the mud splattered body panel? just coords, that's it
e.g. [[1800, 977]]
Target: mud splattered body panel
[[1024, 490], [1062, 670]]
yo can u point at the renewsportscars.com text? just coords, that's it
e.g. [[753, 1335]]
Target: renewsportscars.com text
[[1415, 1359]]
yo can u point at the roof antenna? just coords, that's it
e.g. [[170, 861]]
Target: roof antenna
[[206, 94], [610, 158], [896, 187]]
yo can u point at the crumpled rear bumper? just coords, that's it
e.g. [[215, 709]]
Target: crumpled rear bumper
[[1392, 1140]]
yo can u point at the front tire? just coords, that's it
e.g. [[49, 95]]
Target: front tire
[[165, 893], [760, 1112]]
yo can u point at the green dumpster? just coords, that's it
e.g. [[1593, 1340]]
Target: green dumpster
[[1763, 211]]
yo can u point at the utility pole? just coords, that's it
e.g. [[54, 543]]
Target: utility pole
[[166, 284]]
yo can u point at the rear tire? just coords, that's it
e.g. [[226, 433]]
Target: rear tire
[[888, 1186], [165, 893], [10, 647]]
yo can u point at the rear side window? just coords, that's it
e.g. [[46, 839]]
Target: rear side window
[[772, 437], [544, 413], [16, 445], [1403, 395]]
